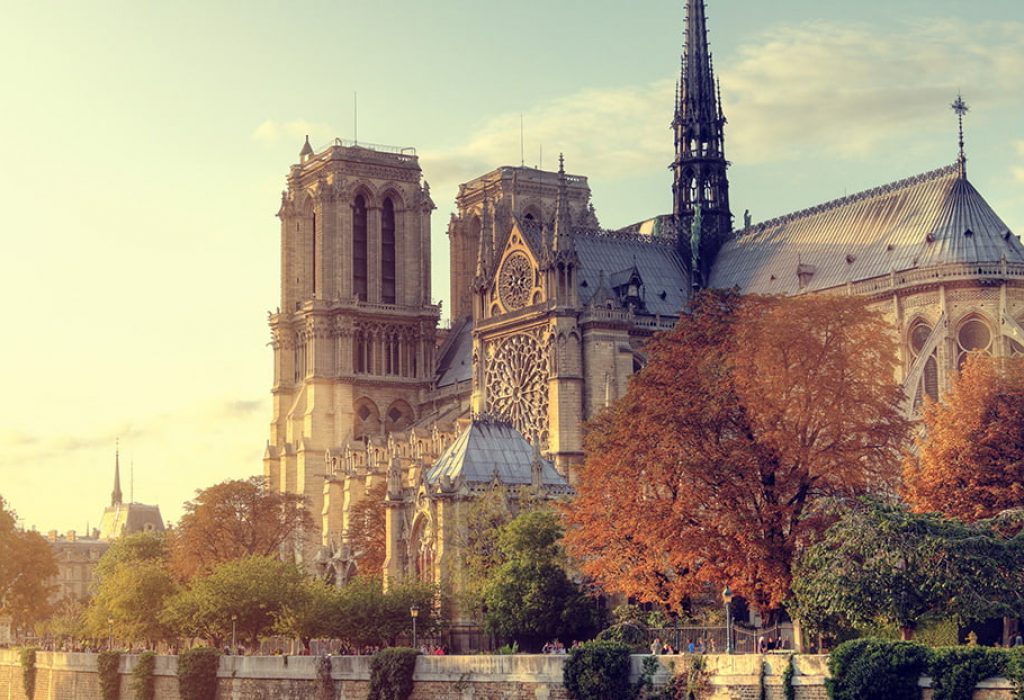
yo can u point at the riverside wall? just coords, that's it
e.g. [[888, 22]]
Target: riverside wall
[[63, 676]]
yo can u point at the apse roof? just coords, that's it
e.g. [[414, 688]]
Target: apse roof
[[932, 219], [488, 448]]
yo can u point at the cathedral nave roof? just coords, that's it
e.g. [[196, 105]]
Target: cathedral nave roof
[[933, 219]]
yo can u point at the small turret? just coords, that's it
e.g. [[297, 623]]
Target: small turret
[[306, 152]]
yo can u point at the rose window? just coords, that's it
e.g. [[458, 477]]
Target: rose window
[[517, 384], [516, 281]]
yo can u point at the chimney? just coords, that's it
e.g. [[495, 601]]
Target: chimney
[[71, 536], [52, 535]]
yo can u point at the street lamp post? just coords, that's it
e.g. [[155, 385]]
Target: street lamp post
[[727, 599], [110, 634], [414, 612], [234, 619]]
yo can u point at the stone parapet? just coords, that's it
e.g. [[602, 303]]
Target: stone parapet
[[63, 676]]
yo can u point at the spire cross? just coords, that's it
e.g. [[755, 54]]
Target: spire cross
[[961, 108]]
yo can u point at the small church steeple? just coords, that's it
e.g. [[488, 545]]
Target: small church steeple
[[699, 170], [115, 496]]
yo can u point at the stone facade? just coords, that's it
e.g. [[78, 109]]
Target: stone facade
[[62, 676], [550, 313]]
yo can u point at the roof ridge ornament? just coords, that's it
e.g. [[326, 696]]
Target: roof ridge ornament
[[961, 108]]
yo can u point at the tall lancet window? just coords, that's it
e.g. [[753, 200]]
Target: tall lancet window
[[359, 239], [387, 252]]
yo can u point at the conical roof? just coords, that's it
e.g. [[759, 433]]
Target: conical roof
[[487, 450]]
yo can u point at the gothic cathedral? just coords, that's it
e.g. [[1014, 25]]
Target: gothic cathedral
[[551, 312]]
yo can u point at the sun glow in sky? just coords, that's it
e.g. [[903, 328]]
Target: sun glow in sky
[[145, 146]]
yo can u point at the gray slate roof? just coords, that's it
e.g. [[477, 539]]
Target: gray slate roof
[[487, 447], [658, 262], [456, 355], [915, 223]]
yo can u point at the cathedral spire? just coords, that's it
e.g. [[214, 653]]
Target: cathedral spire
[[485, 250], [563, 223], [699, 170], [115, 496]]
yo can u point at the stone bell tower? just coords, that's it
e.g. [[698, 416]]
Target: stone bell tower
[[354, 336]]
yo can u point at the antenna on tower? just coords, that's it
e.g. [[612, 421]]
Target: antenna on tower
[[541, 166], [961, 108], [131, 482], [355, 117], [522, 153]]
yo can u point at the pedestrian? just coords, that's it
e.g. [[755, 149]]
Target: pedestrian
[[656, 646]]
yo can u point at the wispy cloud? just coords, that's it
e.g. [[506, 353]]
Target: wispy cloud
[[1018, 171], [610, 134], [849, 91], [271, 131], [797, 91]]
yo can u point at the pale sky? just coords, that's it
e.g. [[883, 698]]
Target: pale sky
[[145, 146]]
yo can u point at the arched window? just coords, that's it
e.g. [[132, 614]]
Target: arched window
[[359, 245], [973, 335], [929, 385], [387, 252]]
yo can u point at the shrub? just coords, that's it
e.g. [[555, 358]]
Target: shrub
[[28, 671], [598, 671], [143, 683], [876, 668], [391, 673], [788, 690], [197, 674], [632, 634], [956, 670], [109, 663], [1015, 671]]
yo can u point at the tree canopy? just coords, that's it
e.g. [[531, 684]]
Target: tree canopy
[[133, 581], [529, 598], [366, 531], [969, 461], [235, 519], [254, 589], [748, 411], [27, 563], [881, 563]]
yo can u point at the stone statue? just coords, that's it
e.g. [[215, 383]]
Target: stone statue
[[746, 218], [695, 230]]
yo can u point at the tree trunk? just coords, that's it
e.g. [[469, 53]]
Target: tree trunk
[[907, 632]]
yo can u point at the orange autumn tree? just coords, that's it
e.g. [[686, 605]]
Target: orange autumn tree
[[969, 459], [233, 520], [749, 411], [366, 531]]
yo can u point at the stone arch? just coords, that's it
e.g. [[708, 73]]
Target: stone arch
[[389, 190], [974, 332], [422, 547], [366, 423], [399, 416]]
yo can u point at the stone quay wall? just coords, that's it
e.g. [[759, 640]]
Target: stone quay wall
[[62, 676]]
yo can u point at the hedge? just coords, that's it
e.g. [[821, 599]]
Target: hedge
[[391, 673]]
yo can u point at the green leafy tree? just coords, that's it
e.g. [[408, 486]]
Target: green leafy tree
[[530, 598], [882, 563], [366, 615], [310, 613], [27, 564], [256, 590], [133, 582], [67, 620]]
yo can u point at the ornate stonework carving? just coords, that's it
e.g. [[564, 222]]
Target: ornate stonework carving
[[517, 383], [516, 281]]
